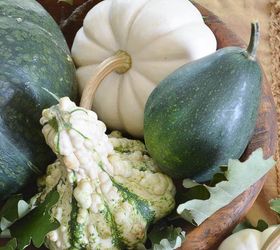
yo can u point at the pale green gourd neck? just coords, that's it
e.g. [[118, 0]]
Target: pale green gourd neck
[[119, 63], [251, 51]]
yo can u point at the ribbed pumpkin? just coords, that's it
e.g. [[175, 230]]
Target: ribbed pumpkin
[[145, 41]]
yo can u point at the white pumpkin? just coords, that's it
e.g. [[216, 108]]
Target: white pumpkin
[[158, 36], [251, 239]]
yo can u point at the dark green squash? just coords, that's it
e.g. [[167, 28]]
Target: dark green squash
[[34, 55], [205, 112]]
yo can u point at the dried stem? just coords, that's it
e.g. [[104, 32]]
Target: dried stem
[[120, 63]]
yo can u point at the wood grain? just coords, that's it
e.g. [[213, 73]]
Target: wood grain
[[211, 232]]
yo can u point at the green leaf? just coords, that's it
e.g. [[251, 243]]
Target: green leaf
[[166, 238], [241, 226], [197, 192], [163, 237], [11, 245], [36, 224], [13, 209], [217, 178], [10, 209], [26, 223], [66, 1], [275, 205], [261, 226], [240, 176]]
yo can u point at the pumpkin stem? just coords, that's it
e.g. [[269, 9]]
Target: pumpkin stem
[[273, 240], [254, 41], [120, 63]]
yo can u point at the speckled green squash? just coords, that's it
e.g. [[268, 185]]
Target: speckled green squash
[[205, 112], [34, 55]]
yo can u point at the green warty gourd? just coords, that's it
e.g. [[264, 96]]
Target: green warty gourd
[[110, 189]]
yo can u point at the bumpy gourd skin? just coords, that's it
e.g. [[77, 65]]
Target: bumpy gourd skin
[[110, 189]]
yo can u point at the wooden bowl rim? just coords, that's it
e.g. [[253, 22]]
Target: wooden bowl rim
[[205, 237]]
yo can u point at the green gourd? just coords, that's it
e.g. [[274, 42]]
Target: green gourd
[[205, 112], [34, 55]]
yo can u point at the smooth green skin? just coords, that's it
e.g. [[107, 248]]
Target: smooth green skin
[[34, 54], [203, 114]]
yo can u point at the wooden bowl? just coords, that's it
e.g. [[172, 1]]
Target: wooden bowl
[[212, 231]]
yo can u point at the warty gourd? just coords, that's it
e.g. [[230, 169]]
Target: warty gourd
[[110, 189]]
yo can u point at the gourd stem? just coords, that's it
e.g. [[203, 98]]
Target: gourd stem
[[254, 41], [273, 240], [120, 63]]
